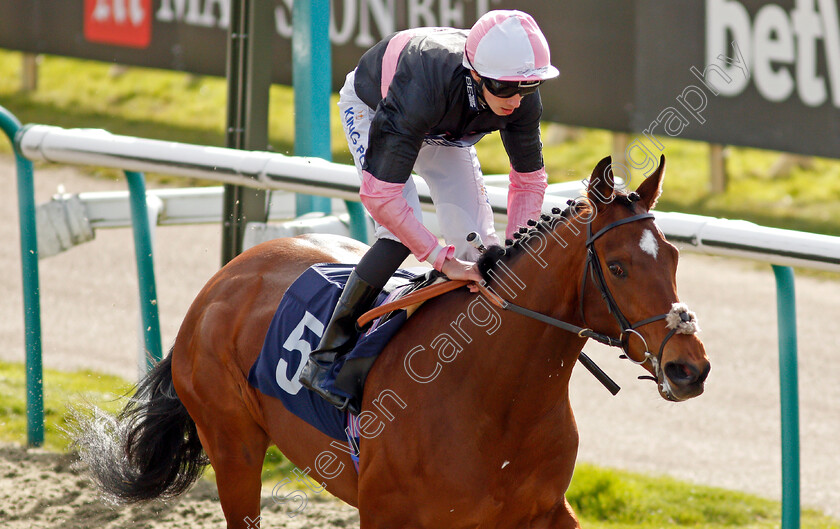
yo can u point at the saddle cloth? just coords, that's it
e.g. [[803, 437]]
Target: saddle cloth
[[295, 331]]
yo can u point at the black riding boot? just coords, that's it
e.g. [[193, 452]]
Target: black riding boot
[[357, 298]]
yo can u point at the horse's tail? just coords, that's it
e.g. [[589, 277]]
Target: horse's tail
[[150, 450]]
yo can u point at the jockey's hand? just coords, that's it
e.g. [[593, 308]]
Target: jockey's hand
[[458, 269]]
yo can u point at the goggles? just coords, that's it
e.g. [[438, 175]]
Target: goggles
[[506, 89]]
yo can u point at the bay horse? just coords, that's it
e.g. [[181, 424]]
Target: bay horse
[[466, 416]]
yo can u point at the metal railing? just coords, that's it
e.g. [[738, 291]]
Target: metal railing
[[781, 248]]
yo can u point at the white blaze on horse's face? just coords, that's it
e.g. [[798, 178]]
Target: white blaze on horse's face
[[648, 244]]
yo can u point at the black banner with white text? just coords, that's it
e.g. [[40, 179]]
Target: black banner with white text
[[741, 72]]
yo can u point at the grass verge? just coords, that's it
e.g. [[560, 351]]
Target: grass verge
[[62, 390], [612, 499]]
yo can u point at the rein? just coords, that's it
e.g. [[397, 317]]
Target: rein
[[583, 332], [418, 296], [679, 319], [584, 359]]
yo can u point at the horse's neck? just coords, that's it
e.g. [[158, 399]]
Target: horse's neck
[[544, 276], [526, 362]]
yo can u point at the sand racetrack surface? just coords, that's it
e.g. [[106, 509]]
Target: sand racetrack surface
[[40, 489], [728, 437]]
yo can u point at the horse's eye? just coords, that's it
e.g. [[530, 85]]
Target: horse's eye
[[617, 270]]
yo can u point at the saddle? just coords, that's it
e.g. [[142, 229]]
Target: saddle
[[354, 370], [298, 324]]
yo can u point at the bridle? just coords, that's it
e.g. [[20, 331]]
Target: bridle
[[592, 268]]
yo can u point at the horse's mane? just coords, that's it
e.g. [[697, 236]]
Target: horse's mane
[[575, 209]]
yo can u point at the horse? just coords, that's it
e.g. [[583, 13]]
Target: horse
[[466, 419]]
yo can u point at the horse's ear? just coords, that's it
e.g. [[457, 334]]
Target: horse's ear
[[601, 183], [651, 188]]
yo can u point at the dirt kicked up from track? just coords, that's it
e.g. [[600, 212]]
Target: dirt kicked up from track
[[728, 437]]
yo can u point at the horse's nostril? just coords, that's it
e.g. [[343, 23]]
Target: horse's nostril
[[682, 374], [705, 373]]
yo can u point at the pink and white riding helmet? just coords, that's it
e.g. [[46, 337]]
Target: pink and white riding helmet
[[507, 45]]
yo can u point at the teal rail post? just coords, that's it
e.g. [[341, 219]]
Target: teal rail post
[[358, 221], [312, 79], [789, 382], [31, 288], [145, 267]]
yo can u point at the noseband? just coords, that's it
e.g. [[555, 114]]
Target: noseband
[[679, 319]]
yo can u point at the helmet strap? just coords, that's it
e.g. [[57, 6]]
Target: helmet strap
[[479, 83], [480, 87]]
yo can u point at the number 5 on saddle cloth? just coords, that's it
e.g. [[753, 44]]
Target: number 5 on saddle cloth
[[295, 331]]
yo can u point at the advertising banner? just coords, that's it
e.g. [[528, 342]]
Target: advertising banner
[[741, 72]]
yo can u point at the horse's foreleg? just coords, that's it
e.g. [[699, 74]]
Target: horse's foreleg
[[237, 452]]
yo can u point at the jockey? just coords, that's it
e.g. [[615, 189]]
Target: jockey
[[419, 101]]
